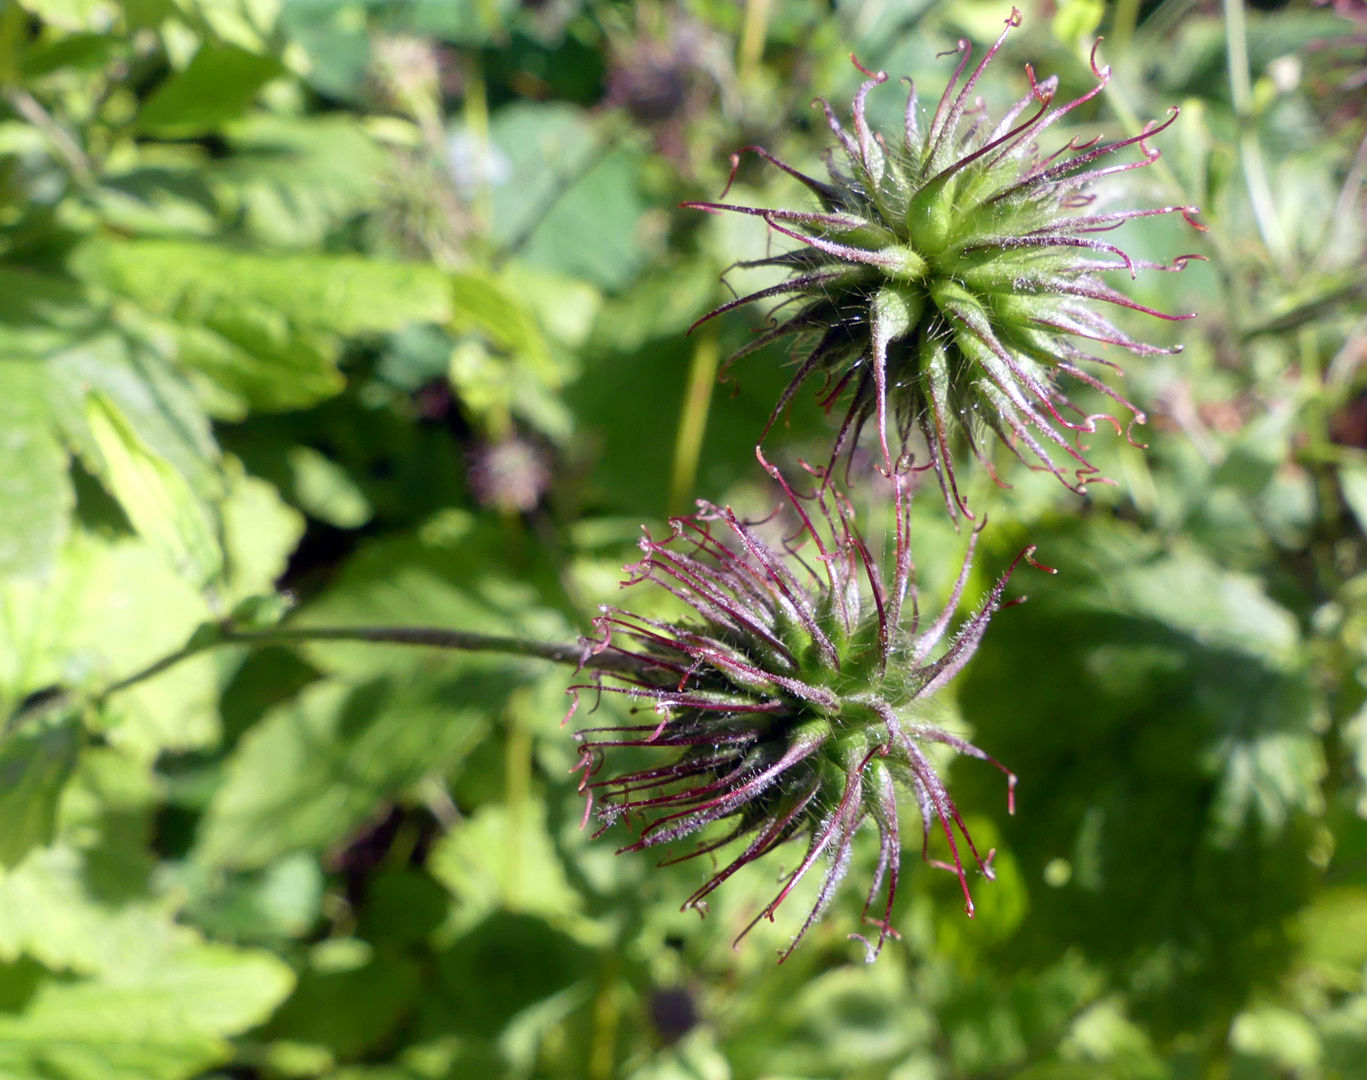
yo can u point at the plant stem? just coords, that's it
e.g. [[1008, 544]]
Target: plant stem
[[12, 20], [1236, 47], [1250, 153], [702, 376], [424, 636], [753, 34], [477, 124], [1123, 22]]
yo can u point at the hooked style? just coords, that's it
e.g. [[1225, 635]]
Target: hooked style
[[786, 705], [948, 281]]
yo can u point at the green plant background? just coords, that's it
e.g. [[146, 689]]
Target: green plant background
[[275, 273]]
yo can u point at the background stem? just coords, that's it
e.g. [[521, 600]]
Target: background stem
[[702, 377]]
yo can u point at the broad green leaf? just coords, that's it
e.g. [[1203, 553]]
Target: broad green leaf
[[1184, 591], [1286, 1038], [591, 232], [498, 968], [338, 50], [1353, 483], [97, 15], [245, 23], [847, 1018], [122, 607], [298, 179], [1077, 20], [352, 1011], [79, 51], [138, 995], [40, 312], [565, 306], [260, 530], [156, 498], [165, 1022], [483, 304], [35, 491], [1160, 704], [1333, 932], [1355, 742], [314, 768], [282, 901], [157, 202], [471, 24], [113, 606], [416, 355], [503, 856], [325, 491], [661, 304], [1103, 1033], [159, 403], [216, 87], [403, 907], [46, 913], [251, 356], [542, 148], [34, 768], [342, 294]]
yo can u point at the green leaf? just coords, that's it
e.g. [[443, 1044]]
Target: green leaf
[[260, 531], [298, 179], [158, 401], [484, 305], [217, 86], [35, 491], [280, 902], [34, 768], [1076, 20], [138, 996], [158, 202], [116, 606], [1333, 932], [565, 306], [500, 967], [503, 856], [156, 498], [351, 1011], [251, 355], [341, 294], [592, 230], [315, 767], [73, 14], [1353, 484], [325, 491], [402, 907], [546, 146], [1286, 1038], [164, 1021], [338, 49], [40, 312]]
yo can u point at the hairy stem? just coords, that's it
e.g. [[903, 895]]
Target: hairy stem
[[218, 635]]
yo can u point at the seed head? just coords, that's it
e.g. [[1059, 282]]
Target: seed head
[[950, 277], [785, 706], [511, 475]]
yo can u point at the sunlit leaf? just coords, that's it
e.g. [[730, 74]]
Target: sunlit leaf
[[156, 498], [34, 767], [35, 493], [217, 86]]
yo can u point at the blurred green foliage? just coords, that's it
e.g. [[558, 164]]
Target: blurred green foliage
[[374, 312]]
